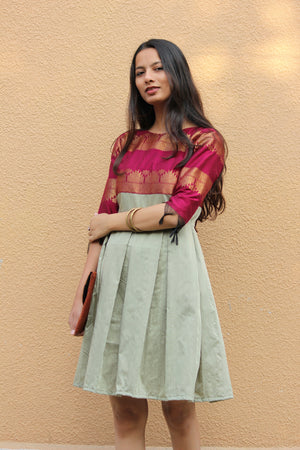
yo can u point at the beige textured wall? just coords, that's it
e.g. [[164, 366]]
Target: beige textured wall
[[64, 78]]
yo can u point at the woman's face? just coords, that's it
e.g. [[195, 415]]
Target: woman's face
[[150, 78]]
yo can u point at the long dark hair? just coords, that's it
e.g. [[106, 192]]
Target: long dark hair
[[184, 103]]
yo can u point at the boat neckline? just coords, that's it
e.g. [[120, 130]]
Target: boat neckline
[[161, 134]]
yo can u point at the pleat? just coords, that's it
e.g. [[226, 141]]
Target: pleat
[[108, 278], [213, 380], [183, 326], [154, 350], [143, 257]]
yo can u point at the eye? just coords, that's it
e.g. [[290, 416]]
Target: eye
[[159, 68], [139, 73]]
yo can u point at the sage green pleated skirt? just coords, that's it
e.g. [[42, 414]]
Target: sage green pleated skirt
[[153, 329]]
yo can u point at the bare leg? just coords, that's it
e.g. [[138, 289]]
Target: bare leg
[[130, 417], [182, 423]]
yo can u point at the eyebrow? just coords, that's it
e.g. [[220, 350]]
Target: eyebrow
[[153, 64]]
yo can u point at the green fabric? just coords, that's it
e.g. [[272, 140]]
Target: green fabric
[[153, 329]]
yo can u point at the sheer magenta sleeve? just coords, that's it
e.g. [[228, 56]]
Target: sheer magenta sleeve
[[198, 175]]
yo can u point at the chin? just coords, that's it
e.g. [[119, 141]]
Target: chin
[[156, 101]]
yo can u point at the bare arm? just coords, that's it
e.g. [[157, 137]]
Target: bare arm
[[146, 219], [90, 266]]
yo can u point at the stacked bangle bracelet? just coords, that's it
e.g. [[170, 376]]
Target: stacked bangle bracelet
[[129, 220]]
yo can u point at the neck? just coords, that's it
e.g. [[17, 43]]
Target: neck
[[159, 125]]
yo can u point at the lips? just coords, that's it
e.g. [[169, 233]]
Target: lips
[[151, 89]]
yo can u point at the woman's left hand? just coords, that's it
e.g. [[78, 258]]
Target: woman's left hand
[[99, 226]]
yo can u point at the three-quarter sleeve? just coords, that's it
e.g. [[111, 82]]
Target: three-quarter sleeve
[[109, 202], [198, 175]]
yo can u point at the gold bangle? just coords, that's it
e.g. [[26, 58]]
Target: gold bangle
[[129, 220], [134, 228]]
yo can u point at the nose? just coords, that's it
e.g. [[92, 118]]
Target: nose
[[148, 76]]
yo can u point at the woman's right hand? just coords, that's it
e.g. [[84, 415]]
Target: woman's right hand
[[75, 314], [90, 266], [99, 226]]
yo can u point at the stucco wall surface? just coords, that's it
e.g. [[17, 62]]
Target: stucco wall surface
[[64, 82]]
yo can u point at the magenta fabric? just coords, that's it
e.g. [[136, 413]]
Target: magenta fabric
[[145, 169]]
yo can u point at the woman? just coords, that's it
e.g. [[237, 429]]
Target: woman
[[153, 329]]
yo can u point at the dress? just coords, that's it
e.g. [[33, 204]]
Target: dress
[[153, 329]]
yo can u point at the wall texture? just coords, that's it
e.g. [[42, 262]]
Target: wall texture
[[64, 81]]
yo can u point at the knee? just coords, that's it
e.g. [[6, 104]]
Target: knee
[[128, 417], [179, 414]]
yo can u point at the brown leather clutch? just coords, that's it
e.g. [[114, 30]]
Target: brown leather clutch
[[86, 301]]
